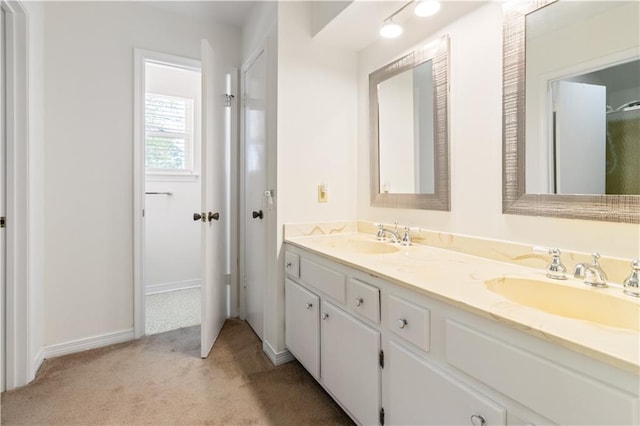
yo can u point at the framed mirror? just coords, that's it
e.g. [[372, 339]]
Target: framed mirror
[[408, 115], [571, 109]]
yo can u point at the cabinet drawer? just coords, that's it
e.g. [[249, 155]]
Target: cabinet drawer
[[531, 380], [410, 321], [329, 282], [364, 299], [292, 264], [302, 326]]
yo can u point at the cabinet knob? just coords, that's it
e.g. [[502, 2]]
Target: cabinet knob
[[309, 305], [359, 301], [325, 316], [478, 420], [402, 323], [288, 265]]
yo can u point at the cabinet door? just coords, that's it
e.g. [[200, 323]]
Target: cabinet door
[[350, 369], [302, 322], [422, 394]]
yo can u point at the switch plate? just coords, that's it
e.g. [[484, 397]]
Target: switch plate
[[323, 196]]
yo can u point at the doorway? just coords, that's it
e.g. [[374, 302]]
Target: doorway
[[172, 261], [208, 164]]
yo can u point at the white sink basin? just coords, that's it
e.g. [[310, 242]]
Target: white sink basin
[[363, 246], [578, 303]]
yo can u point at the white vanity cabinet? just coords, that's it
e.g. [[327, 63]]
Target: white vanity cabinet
[[303, 326], [349, 360], [420, 393], [390, 354], [340, 349]]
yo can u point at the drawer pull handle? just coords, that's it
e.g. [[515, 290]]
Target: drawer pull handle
[[478, 420], [402, 323], [288, 264], [359, 301], [309, 305], [325, 316]]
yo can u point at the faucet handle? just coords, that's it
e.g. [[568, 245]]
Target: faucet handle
[[380, 234], [406, 238], [596, 264], [556, 269], [632, 282], [596, 258]]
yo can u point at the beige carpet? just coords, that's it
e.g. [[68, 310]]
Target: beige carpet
[[160, 379]]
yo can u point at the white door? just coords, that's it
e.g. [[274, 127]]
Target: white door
[[215, 216], [255, 149], [580, 138], [3, 144]]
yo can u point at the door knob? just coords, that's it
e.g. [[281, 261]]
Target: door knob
[[198, 216], [257, 214], [214, 216]]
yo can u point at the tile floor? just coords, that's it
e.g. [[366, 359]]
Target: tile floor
[[172, 310]]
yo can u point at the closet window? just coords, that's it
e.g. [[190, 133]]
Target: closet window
[[168, 134]]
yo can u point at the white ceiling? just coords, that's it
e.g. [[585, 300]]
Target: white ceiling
[[357, 26], [232, 12]]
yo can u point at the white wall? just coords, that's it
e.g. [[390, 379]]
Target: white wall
[[88, 76], [317, 133], [172, 238], [476, 147]]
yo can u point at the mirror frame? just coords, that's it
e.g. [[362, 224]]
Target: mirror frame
[[515, 200], [438, 52]]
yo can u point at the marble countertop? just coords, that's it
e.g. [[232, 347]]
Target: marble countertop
[[459, 279]]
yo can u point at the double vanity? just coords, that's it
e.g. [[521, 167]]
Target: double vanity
[[422, 335]]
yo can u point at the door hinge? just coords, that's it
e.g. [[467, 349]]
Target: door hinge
[[3, 222], [381, 359], [228, 98], [142, 212], [382, 416]]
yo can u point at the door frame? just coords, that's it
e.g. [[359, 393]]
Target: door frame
[[142, 56], [242, 231], [19, 368]]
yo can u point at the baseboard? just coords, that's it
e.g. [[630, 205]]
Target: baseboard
[[36, 364], [166, 287], [277, 358], [88, 343]]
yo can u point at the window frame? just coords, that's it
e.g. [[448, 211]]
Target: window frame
[[190, 170]]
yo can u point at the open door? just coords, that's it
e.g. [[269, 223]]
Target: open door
[[214, 215]]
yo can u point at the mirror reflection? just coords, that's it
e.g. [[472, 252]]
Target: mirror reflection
[[405, 109], [409, 130], [583, 98]]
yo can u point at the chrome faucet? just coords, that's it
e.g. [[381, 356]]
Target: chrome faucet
[[593, 274], [382, 232], [406, 238], [632, 282], [556, 269]]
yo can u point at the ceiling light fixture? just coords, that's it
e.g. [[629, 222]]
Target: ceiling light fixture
[[390, 29], [427, 7]]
